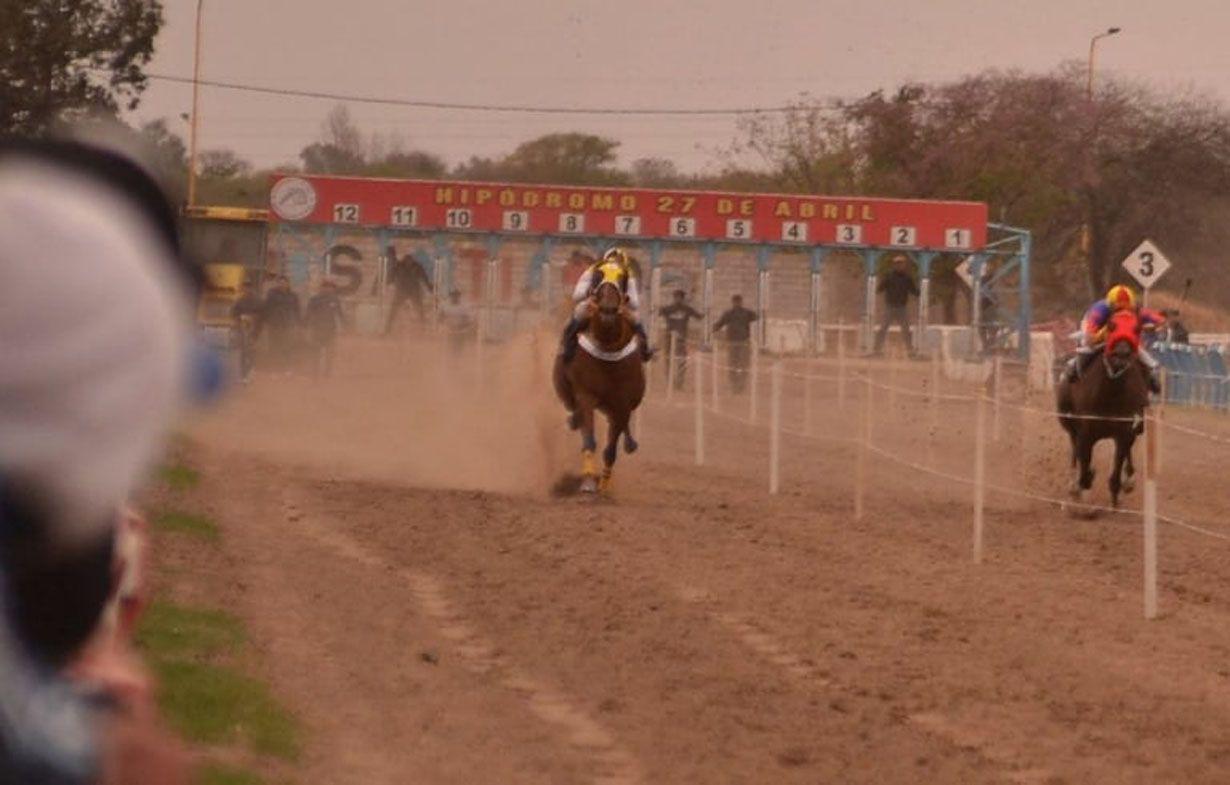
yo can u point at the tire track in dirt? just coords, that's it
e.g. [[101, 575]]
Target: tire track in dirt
[[612, 764], [808, 674]]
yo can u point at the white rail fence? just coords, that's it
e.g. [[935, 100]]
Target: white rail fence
[[984, 403]]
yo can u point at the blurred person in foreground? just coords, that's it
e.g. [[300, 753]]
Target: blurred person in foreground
[[95, 324], [897, 286], [737, 322], [677, 316], [323, 317], [280, 319]]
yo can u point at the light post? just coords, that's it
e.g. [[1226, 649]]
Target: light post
[[1087, 226], [196, 97], [1092, 43]]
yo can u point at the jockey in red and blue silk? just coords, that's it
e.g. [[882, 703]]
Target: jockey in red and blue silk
[[1094, 325]]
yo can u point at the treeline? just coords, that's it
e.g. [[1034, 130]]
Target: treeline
[[1090, 177]]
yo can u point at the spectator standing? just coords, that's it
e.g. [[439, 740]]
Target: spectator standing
[[323, 317], [247, 312], [409, 281], [897, 286], [281, 317], [677, 316], [737, 322]]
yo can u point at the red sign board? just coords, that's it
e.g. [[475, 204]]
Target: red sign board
[[633, 213]]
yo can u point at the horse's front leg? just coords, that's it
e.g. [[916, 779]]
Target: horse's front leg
[[589, 444], [1122, 447], [1129, 468]]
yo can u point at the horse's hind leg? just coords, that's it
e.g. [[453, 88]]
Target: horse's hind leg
[[618, 425], [630, 443]]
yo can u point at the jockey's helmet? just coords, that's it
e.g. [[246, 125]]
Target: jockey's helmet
[[614, 266], [1120, 297]]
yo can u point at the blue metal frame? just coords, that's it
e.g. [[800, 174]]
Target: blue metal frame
[[1009, 248]]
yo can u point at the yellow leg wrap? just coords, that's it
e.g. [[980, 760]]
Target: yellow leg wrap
[[589, 464]]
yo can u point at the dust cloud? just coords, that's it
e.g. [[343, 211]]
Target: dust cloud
[[409, 411]]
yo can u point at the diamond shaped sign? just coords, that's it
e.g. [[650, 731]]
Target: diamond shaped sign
[[1147, 264]]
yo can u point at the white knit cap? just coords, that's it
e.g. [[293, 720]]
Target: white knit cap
[[94, 340]]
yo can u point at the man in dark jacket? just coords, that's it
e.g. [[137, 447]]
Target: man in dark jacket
[[897, 287], [323, 318], [737, 322], [247, 312], [677, 316], [408, 279], [280, 315]]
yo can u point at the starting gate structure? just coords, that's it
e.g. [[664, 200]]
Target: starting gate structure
[[350, 227]]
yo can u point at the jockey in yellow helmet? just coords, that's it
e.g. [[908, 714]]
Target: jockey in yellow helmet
[[1093, 331], [614, 267]]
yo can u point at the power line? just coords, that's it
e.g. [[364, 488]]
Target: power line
[[504, 108]]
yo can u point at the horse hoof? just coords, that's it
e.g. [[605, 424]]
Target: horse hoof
[[604, 484], [630, 445], [574, 421], [1129, 484], [589, 485]]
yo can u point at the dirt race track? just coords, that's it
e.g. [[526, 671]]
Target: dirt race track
[[433, 616]]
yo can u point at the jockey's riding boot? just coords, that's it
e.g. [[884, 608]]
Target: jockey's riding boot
[[1073, 370], [646, 352], [568, 344]]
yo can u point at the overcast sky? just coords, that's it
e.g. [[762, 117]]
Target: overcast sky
[[619, 53]]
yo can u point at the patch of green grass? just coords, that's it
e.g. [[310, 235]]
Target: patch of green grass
[[187, 523], [209, 704], [213, 774], [171, 631], [178, 477]]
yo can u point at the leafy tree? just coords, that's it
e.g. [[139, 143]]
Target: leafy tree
[[60, 60], [566, 158], [221, 164]]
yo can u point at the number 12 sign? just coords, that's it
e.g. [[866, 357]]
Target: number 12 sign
[[1146, 264]]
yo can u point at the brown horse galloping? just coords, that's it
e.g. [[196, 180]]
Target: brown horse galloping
[[1107, 402], [606, 375]]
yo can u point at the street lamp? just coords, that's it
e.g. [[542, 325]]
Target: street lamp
[[1086, 225], [196, 95], [1092, 42]]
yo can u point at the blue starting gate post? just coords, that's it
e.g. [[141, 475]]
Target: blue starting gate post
[[815, 335], [764, 256], [923, 260], [444, 257], [709, 254], [871, 258]]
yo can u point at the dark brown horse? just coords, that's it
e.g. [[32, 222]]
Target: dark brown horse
[[1107, 401], [606, 375]]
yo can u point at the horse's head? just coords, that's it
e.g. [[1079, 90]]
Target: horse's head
[[609, 299], [1122, 340]]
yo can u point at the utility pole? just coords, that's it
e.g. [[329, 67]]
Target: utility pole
[[196, 104], [1087, 226]]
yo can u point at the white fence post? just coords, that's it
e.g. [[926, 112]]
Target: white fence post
[[807, 413], [775, 428], [841, 364], [935, 407], [698, 404], [1150, 518], [980, 471], [998, 370], [713, 373], [671, 353], [753, 380], [860, 475]]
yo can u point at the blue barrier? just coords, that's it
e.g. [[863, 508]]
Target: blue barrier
[[1195, 375]]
